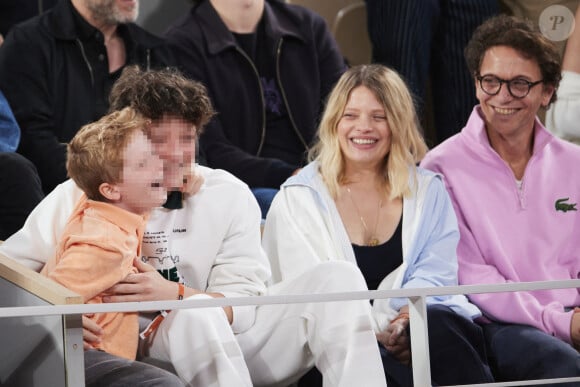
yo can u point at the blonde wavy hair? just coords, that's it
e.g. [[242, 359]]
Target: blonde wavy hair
[[407, 144]]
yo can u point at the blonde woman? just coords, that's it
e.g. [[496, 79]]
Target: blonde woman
[[363, 200]]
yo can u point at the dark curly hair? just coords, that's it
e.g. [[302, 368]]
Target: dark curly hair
[[159, 93], [521, 35]]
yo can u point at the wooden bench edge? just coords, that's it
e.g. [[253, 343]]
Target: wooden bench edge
[[37, 284]]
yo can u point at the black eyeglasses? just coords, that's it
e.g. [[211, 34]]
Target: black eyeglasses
[[517, 87]]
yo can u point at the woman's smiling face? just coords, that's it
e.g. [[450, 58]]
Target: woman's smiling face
[[363, 132]]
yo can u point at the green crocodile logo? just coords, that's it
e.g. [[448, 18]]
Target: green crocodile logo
[[565, 207]]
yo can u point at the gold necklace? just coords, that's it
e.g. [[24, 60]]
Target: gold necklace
[[373, 240]]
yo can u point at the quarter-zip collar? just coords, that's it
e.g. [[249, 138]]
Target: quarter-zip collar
[[476, 134]]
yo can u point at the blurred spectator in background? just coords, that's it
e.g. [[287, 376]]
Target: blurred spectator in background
[[424, 40], [20, 189], [563, 118], [15, 11], [532, 10], [268, 67], [56, 71]]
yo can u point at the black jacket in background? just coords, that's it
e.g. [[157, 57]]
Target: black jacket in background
[[54, 73], [13, 12], [308, 64]]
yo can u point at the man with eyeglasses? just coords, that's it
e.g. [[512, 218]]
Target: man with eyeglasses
[[516, 189], [517, 87]]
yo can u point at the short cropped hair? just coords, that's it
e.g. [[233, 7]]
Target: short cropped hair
[[407, 144], [521, 35], [95, 154], [156, 94]]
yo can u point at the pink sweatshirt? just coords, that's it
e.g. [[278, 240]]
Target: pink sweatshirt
[[515, 235], [95, 252]]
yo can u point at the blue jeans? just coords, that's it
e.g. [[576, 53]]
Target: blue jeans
[[264, 196], [521, 352]]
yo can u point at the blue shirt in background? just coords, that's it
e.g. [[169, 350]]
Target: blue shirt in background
[[9, 130]]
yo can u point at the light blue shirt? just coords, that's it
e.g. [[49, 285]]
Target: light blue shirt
[[304, 227]]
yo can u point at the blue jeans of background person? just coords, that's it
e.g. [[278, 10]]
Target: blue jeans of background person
[[264, 196], [20, 192], [424, 40], [105, 370], [456, 352], [521, 352]]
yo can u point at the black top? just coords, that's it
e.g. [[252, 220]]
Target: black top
[[376, 262], [281, 142]]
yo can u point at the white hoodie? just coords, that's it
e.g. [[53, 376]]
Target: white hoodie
[[211, 244]]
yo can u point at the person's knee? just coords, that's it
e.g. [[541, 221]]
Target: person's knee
[[447, 326], [18, 171], [514, 352], [104, 369], [161, 378], [200, 320], [555, 361], [438, 312], [20, 192], [338, 276], [17, 164], [559, 361]]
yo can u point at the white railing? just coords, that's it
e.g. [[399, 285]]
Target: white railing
[[417, 313]]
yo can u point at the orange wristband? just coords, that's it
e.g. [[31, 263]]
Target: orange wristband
[[153, 325], [181, 291]]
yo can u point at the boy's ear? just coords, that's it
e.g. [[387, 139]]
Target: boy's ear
[[110, 191]]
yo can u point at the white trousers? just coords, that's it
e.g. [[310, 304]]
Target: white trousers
[[337, 337], [285, 341], [201, 347]]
